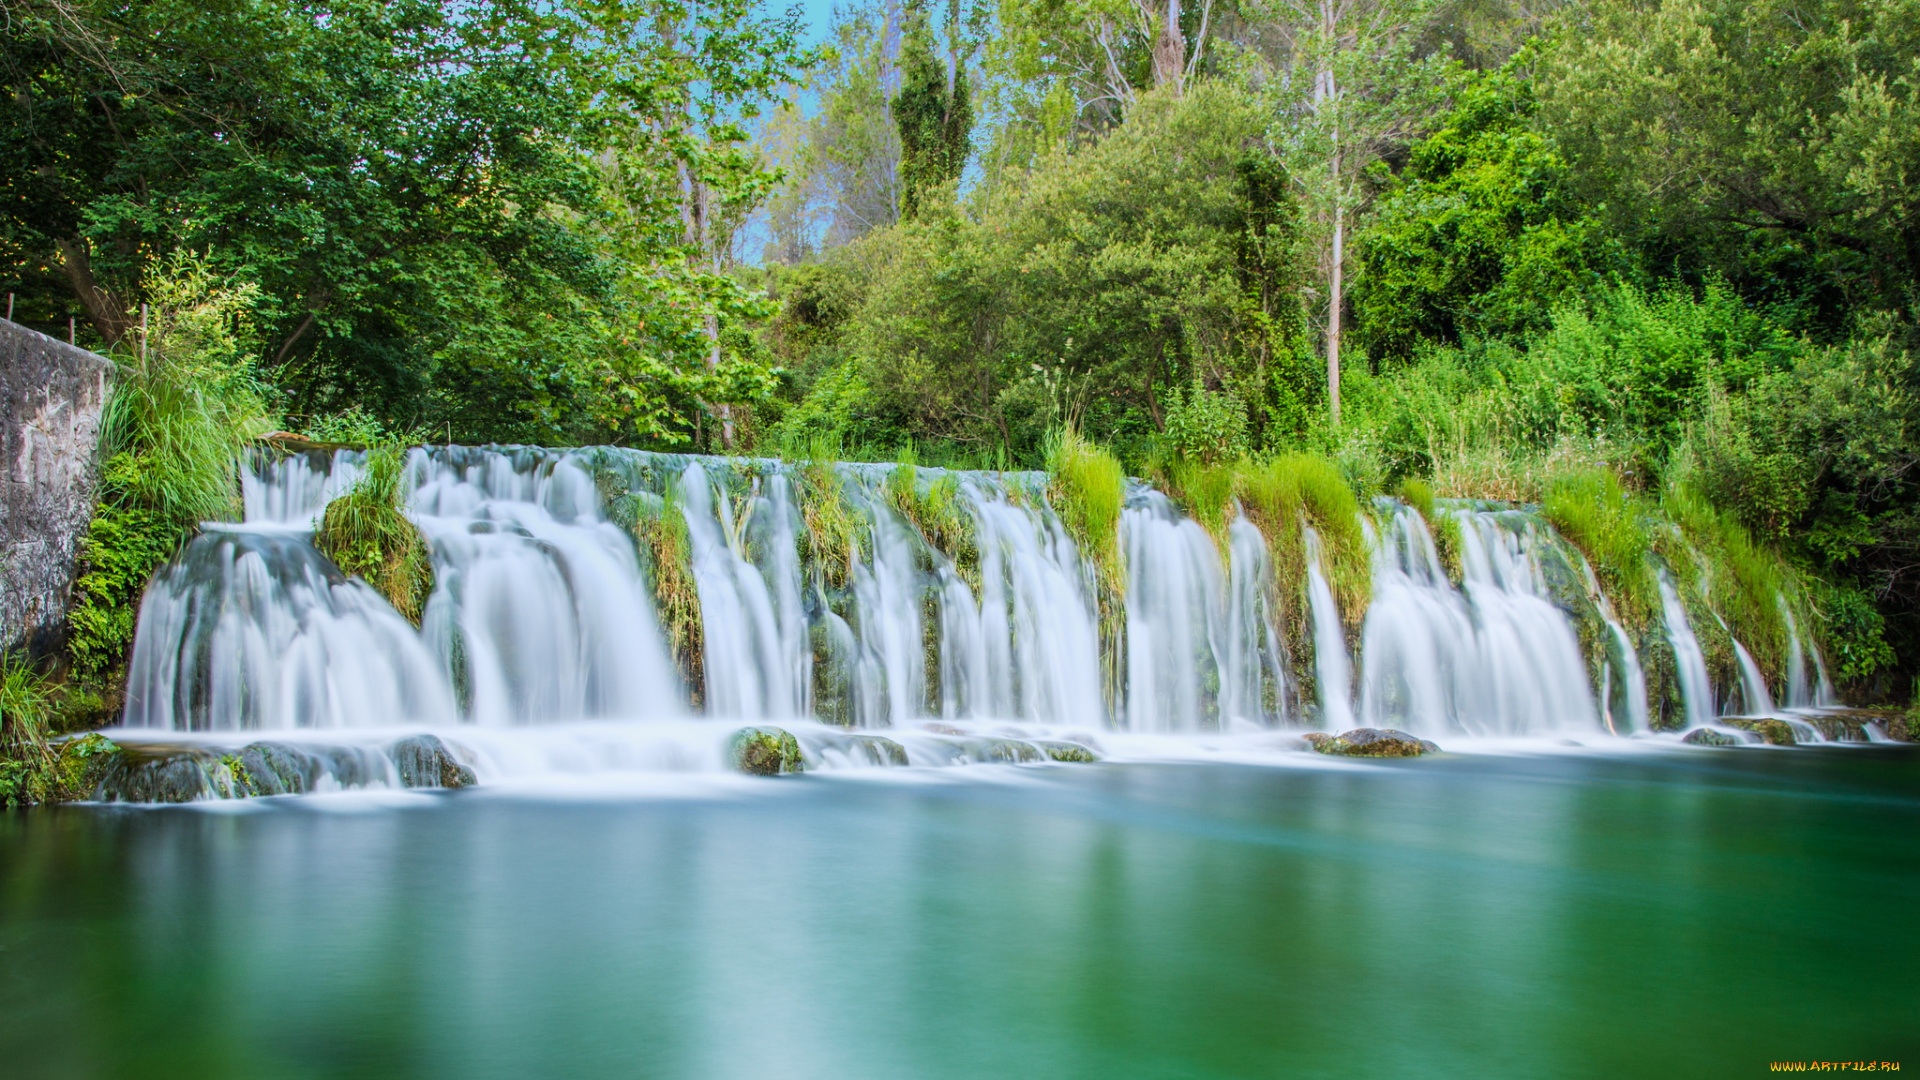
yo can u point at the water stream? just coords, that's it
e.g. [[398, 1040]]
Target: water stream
[[542, 621]]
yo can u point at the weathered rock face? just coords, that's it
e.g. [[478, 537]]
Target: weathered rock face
[[1371, 742], [51, 395]]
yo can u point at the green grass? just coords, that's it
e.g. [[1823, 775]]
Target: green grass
[[662, 535], [1590, 508], [366, 533], [1204, 490], [1285, 492], [938, 512], [180, 413], [832, 531], [1744, 582], [25, 706], [1087, 487]]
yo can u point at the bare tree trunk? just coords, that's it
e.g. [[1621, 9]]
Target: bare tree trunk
[[1329, 93], [1170, 51], [1334, 300], [693, 220], [108, 313]]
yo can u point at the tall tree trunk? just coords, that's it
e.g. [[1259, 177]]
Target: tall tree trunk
[[1170, 51]]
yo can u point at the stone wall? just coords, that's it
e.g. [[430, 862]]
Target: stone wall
[[51, 394]]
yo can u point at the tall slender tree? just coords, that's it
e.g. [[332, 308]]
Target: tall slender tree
[[934, 111], [1353, 88]]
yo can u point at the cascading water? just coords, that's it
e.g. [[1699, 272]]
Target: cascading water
[[1495, 657], [1176, 633], [1690, 664], [1333, 672], [252, 629], [1753, 686], [542, 618]]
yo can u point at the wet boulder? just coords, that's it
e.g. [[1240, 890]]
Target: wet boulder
[[1067, 751], [280, 769], [1371, 742], [165, 773], [1007, 750], [766, 751], [423, 761], [879, 750], [1710, 737], [1775, 732]]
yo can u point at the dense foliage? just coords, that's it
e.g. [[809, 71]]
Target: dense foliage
[[1654, 265]]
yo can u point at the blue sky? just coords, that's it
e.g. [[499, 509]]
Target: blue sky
[[819, 15]]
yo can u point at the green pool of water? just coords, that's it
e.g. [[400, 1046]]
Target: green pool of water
[[1664, 914]]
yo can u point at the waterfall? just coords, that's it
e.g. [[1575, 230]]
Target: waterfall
[[538, 611], [541, 615], [755, 661], [253, 629], [1332, 672], [1176, 635], [1690, 665], [1753, 688], [1493, 658], [1254, 681]]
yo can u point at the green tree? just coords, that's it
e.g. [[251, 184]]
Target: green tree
[[934, 112], [1478, 234], [1771, 141]]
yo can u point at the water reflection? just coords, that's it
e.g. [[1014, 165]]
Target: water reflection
[[1693, 914]]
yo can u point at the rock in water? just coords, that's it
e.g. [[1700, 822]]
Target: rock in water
[[766, 751], [1776, 732], [423, 761], [1067, 751], [279, 769], [1371, 742], [160, 773], [880, 750], [1709, 737]]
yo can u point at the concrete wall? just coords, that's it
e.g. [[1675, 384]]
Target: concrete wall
[[50, 399]]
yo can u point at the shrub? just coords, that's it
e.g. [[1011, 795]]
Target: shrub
[[367, 533]]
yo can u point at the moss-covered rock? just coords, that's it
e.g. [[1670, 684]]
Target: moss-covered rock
[[1067, 751], [766, 751], [73, 768], [1775, 732], [1710, 737], [423, 761], [1371, 742]]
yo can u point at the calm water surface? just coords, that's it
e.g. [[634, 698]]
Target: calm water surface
[[1664, 914]]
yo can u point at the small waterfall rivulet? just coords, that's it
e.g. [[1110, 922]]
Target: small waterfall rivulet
[[947, 598], [1690, 664]]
